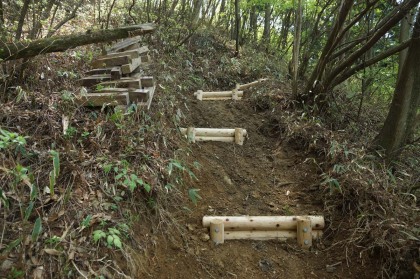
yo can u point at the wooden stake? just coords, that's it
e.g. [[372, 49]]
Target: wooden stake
[[65, 121], [217, 231], [191, 134], [304, 232], [199, 95], [263, 223], [239, 136]]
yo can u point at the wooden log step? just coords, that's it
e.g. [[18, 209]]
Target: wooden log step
[[267, 235], [93, 80], [265, 223], [219, 95], [111, 61], [213, 132], [236, 135], [100, 99], [220, 99], [123, 83]]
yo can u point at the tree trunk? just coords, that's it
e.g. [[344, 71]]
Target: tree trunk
[[22, 16], [312, 86], [45, 15], [108, 17], [405, 28], [400, 122], [10, 51], [267, 22], [237, 26], [1, 18], [285, 26], [296, 47], [253, 20], [196, 11], [65, 20]]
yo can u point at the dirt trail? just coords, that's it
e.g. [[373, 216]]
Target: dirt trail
[[258, 178]]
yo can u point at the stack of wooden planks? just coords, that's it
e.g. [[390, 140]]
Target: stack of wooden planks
[[117, 78]]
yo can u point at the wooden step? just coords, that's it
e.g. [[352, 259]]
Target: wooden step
[[236, 135]]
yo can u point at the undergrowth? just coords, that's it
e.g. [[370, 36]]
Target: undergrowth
[[372, 205]]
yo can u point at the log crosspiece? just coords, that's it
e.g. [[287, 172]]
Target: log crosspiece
[[215, 134], [219, 95]]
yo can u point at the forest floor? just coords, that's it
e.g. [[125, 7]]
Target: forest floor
[[280, 170], [260, 178]]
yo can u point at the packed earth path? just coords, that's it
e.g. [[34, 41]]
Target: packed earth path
[[262, 177]]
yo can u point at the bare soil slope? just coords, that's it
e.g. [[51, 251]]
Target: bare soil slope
[[262, 177]]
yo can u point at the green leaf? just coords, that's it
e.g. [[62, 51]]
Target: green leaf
[[12, 245], [86, 221], [114, 231], [28, 210], [56, 162], [52, 182], [117, 242], [193, 195], [98, 234], [110, 239], [147, 187], [34, 192], [37, 229], [107, 168], [4, 198]]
